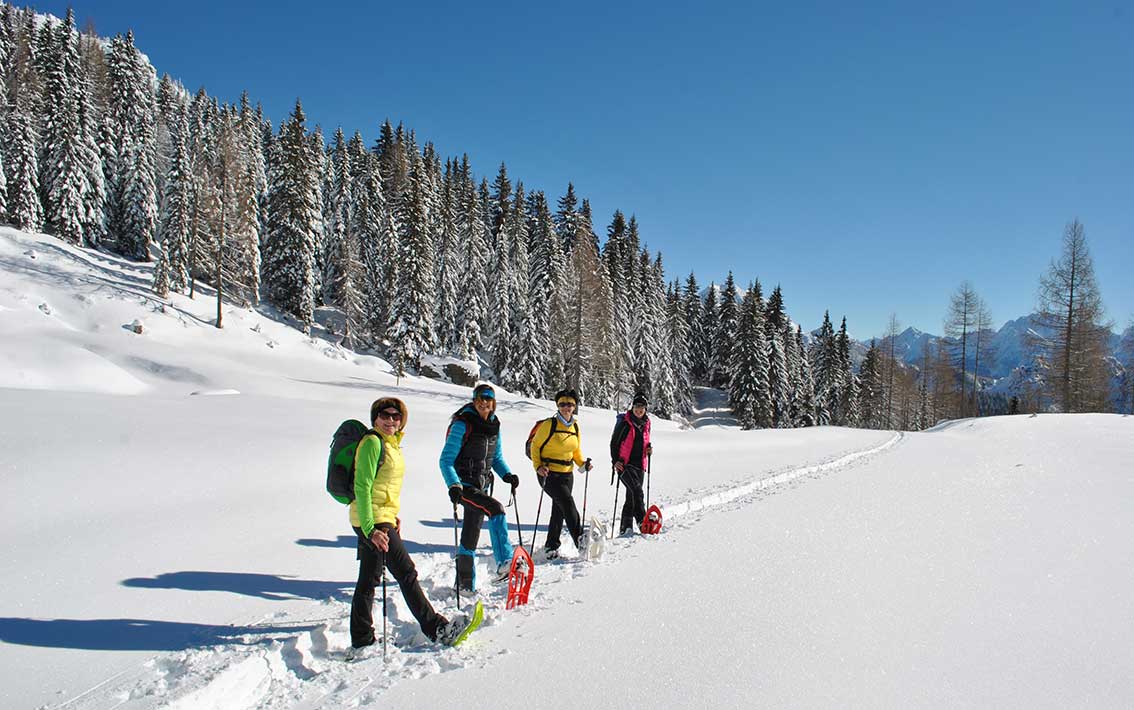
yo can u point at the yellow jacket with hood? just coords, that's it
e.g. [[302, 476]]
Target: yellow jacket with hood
[[378, 491], [560, 450]]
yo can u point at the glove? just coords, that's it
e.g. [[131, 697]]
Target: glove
[[587, 466], [512, 480], [455, 493], [649, 449]]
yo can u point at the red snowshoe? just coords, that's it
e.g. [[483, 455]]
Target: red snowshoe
[[651, 525], [520, 578]]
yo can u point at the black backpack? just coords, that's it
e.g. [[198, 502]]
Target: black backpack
[[340, 464]]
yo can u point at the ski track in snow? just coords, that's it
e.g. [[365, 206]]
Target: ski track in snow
[[307, 669]]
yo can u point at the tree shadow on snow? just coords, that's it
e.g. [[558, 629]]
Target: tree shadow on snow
[[264, 586], [134, 634]]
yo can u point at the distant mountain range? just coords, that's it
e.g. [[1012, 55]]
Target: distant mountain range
[[1011, 365], [1008, 346]]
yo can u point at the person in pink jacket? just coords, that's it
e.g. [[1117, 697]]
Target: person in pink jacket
[[629, 450]]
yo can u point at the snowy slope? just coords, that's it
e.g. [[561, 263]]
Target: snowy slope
[[168, 542]]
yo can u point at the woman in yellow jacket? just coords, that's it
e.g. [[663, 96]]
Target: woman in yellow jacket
[[379, 470], [555, 452]]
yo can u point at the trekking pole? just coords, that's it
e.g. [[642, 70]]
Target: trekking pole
[[535, 528], [586, 480], [614, 516], [516, 508], [385, 632], [649, 460], [456, 558]]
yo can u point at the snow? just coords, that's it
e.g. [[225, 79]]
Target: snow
[[168, 542]]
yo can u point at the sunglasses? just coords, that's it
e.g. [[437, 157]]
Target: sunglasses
[[566, 405], [390, 415]]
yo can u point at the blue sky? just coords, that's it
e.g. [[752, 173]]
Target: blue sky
[[866, 158]]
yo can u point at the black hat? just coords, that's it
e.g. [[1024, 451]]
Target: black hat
[[640, 398]]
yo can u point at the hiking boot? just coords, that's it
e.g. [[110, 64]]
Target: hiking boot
[[551, 554], [503, 571], [448, 631], [359, 653], [626, 532]]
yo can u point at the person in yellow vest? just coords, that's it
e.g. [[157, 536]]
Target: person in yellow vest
[[379, 470], [555, 451]]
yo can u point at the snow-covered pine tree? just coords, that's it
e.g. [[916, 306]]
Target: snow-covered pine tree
[[411, 328], [620, 261], [132, 195], [848, 411], [525, 374], [872, 394], [499, 206], [289, 250], [779, 379], [449, 263], [172, 271], [749, 394], [502, 275], [711, 323], [725, 337], [803, 403], [679, 348], [697, 346], [473, 312], [372, 230], [567, 217], [547, 268], [824, 368], [336, 217], [90, 74], [63, 177], [25, 211]]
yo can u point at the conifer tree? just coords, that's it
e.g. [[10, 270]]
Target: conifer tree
[[707, 347], [172, 271], [25, 211], [872, 394], [63, 177], [725, 336], [847, 410], [567, 217], [779, 380], [293, 217], [824, 368], [749, 393], [411, 332], [803, 403], [501, 203], [698, 348], [132, 198], [474, 310], [449, 263]]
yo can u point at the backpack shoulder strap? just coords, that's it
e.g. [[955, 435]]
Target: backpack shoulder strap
[[550, 433], [381, 447]]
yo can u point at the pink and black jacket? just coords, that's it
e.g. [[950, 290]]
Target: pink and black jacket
[[629, 441]]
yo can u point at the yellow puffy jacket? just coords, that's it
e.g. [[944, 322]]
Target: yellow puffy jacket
[[378, 491], [560, 450]]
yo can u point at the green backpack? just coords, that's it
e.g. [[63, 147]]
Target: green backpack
[[340, 464]]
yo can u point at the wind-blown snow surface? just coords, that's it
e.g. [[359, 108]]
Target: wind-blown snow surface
[[166, 548]]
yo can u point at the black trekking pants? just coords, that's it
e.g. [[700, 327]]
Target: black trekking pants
[[478, 505], [558, 487], [397, 560], [635, 507]]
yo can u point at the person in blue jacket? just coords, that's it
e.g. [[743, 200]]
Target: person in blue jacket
[[472, 452]]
